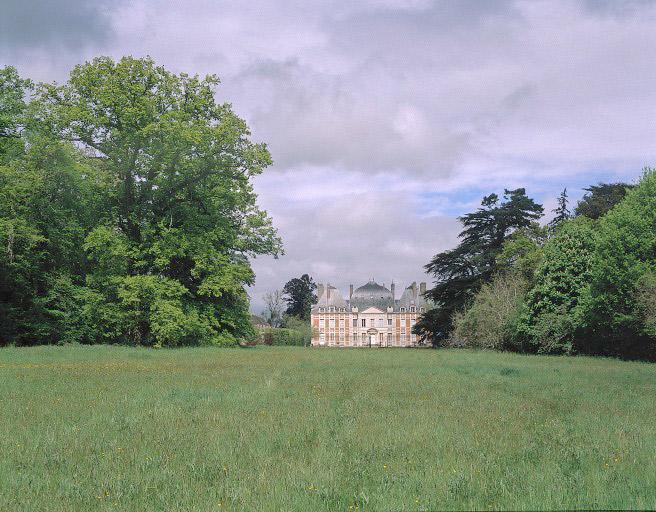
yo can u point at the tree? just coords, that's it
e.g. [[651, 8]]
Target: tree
[[274, 305], [12, 113], [152, 243], [599, 199], [490, 320], [300, 296], [460, 272], [552, 322], [624, 258], [562, 211]]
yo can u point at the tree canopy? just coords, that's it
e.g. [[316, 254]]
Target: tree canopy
[[299, 295], [599, 199], [139, 217], [460, 272]]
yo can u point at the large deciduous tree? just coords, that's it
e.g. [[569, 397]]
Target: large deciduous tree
[[158, 177], [299, 295], [621, 275], [460, 272]]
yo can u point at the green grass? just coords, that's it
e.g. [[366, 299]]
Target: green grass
[[111, 428]]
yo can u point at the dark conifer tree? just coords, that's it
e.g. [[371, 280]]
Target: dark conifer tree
[[299, 295], [460, 272], [562, 211], [600, 198]]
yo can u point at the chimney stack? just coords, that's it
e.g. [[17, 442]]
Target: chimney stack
[[319, 291], [350, 293], [328, 291], [414, 288], [392, 290], [422, 288]]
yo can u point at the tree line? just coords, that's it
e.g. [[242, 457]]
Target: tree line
[[585, 283], [127, 213]]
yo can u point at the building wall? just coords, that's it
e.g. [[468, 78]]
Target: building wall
[[346, 329]]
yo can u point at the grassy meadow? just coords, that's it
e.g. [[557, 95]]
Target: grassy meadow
[[286, 428]]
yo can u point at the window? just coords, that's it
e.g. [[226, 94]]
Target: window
[[355, 322], [320, 310], [332, 336], [389, 321], [355, 336], [332, 323], [402, 310], [341, 323], [402, 338], [412, 309], [364, 322], [389, 337], [421, 310]]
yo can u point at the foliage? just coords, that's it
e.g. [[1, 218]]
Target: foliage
[[522, 252], [561, 211], [624, 256], [12, 113], [489, 322], [300, 296], [133, 205], [645, 297], [294, 331], [552, 305], [460, 272], [601, 198]]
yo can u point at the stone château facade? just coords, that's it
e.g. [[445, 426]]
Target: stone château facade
[[371, 317]]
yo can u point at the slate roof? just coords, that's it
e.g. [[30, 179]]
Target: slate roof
[[372, 295]]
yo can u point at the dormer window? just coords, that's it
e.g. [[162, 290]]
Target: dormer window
[[421, 310], [320, 310], [332, 309], [402, 310], [412, 309]]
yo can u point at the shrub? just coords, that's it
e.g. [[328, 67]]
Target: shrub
[[490, 319]]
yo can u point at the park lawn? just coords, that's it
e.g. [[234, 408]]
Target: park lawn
[[283, 428]]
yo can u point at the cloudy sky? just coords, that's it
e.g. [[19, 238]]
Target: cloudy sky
[[387, 118]]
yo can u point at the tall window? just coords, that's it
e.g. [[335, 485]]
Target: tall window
[[389, 321], [364, 322], [355, 322]]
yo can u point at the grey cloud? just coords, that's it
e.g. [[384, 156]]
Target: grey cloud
[[58, 24], [368, 104], [352, 238]]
